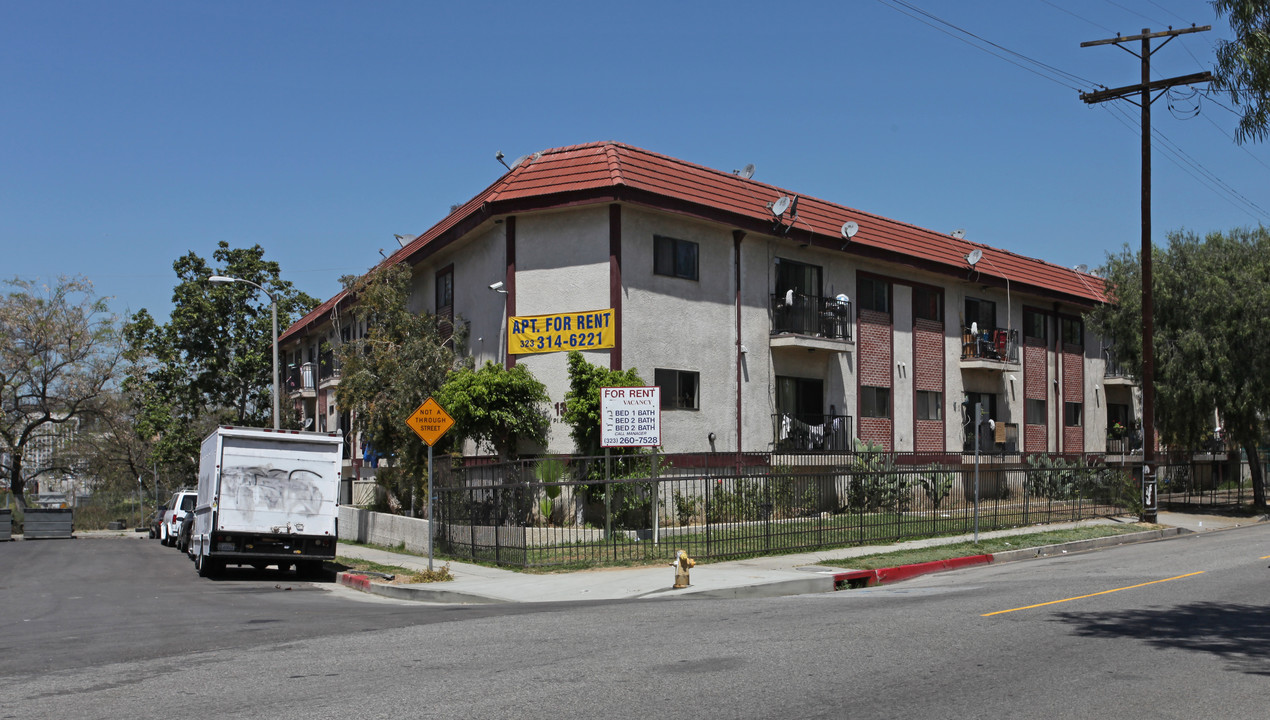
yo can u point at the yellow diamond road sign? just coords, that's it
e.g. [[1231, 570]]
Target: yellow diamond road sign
[[430, 422]]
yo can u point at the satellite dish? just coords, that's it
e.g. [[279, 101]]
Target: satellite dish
[[1081, 268], [516, 163], [974, 257], [746, 172], [958, 233], [849, 229], [781, 205], [308, 422]]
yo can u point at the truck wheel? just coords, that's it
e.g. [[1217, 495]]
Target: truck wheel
[[206, 566]]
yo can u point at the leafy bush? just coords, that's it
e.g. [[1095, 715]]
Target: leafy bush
[[937, 482], [875, 484]]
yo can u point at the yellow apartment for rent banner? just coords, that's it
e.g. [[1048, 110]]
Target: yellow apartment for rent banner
[[588, 330]]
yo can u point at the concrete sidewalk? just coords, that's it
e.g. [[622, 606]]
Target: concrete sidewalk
[[756, 577]]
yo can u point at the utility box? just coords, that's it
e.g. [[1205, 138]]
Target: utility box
[[47, 524], [6, 524]]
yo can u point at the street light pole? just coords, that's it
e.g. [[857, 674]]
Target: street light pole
[[273, 301]]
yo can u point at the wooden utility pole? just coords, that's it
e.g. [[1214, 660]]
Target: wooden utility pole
[[1143, 90]]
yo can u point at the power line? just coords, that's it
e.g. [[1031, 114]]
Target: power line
[[1078, 17], [1063, 78]]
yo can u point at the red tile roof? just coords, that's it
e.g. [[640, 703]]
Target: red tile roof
[[613, 171]]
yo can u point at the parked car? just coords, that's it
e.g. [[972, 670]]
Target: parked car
[[182, 502], [156, 520], [183, 535]]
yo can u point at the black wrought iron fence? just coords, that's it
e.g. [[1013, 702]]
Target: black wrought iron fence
[[582, 511], [1205, 480]]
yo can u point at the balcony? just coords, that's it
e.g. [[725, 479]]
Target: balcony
[[328, 369], [1113, 372], [802, 433], [1124, 444], [990, 349], [300, 381], [811, 322]]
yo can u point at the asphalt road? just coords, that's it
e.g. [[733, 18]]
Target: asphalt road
[[1175, 629]]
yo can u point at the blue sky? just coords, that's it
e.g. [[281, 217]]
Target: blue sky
[[133, 132]]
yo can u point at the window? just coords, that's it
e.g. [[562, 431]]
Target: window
[[1034, 412], [802, 278], [875, 294], [1072, 414], [1073, 331], [875, 402], [445, 291], [928, 303], [1034, 325], [678, 388], [801, 398], [674, 258], [982, 313], [930, 405]]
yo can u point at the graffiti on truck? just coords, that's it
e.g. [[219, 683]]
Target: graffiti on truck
[[272, 489]]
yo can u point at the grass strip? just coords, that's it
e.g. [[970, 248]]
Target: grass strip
[[401, 575], [985, 546]]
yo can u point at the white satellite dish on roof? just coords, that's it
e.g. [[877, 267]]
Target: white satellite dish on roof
[[959, 233], [516, 163], [849, 229], [974, 257], [746, 172], [781, 205], [1082, 268]]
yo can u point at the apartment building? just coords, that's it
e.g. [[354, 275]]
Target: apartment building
[[771, 320]]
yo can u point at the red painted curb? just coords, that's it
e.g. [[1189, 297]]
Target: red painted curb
[[361, 582], [904, 572]]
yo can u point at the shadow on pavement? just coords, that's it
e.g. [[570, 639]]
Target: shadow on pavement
[[1236, 633]]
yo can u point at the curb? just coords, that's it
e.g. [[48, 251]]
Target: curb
[[867, 578], [418, 593]]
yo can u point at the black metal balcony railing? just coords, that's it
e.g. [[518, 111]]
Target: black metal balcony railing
[[811, 433], [1113, 368], [293, 378], [328, 365], [997, 344], [811, 315]]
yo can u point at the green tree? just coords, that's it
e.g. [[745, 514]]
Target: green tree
[[582, 401], [496, 407], [1243, 64], [402, 360], [212, 361], [1212, 316], [59, 356]]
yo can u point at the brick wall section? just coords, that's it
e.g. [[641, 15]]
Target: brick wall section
[[1073, 363], [928, 436], [876, 431], [928, 374], [876, 349], [1035, 387], [875, 360]]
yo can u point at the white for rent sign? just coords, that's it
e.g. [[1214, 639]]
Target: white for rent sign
[[630, 416]]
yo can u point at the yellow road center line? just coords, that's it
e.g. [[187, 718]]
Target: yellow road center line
[[1082, 597], [1265, 557]]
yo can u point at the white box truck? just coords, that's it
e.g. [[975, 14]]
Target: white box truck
[[266, 497]]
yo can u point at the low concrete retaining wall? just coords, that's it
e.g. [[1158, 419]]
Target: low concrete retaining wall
[[364, 526]]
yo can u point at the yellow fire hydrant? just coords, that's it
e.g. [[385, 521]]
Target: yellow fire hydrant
[[682, 565]]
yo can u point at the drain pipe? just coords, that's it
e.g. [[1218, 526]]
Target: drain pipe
[[737, 236]]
